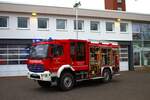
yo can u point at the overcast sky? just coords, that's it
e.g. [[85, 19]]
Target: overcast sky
[[140, 6]]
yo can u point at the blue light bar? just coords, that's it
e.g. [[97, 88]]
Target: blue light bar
[[39, 40], [36, 40], [50, 39]]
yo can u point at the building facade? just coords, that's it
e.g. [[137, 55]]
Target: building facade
[[141, 43], [19, 27], [115, 5]]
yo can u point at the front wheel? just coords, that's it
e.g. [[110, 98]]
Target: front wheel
[[107, 75], [66, 81]]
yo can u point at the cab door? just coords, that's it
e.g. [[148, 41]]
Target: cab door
[[58, 57], [78, 55]]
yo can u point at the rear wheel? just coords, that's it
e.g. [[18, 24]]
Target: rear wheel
[[44, 83], [66, 81], [107, 75]]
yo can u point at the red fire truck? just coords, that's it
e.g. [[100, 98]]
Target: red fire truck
[[66, 62]]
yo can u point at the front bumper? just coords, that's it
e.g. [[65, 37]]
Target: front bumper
[[44, 76]]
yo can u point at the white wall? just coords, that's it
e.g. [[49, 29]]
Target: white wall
[[13, 70], [13, 32]]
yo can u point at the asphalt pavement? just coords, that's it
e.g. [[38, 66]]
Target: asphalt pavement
[[128, 86]]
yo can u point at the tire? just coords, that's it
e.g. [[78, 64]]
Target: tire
[[44, 83], [66, 81], [107, 76]]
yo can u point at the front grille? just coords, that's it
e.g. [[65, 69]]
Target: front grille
[[35, 76], [36, 68]]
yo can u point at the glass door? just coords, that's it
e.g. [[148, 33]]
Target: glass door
[[146, 58], [136, 58]]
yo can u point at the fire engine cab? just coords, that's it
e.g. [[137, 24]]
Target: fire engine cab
[[66, 62]]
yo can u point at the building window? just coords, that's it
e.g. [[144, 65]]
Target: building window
[[110, 26], [123, 27], [23, 22], [13, 54], [119, 1], [80, 24], [94, 25], [61, 24], [43, 23], [119, 9], [3, 21], [136, 29]]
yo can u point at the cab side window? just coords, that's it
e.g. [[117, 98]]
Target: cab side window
[[77, 51], [57, 50], [80, 51], [72, 51]]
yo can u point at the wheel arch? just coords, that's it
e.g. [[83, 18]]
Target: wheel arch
[[106, 68], [64, 68]]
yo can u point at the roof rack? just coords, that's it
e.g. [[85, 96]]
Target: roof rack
[[103, 41]]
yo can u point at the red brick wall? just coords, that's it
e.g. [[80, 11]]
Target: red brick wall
[[113, 5]]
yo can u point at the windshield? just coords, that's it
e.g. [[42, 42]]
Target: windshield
[[39, 51]]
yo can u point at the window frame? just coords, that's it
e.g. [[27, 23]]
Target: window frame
[[136, 27], [7, 26], [98, 26], [65, 20], [82, 24], [113, 26], [47, 23], [127, 27], [28, 23]]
